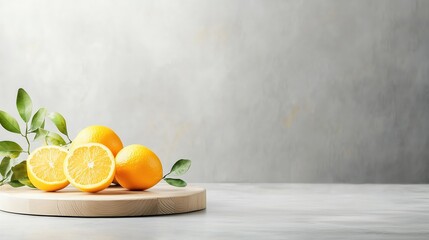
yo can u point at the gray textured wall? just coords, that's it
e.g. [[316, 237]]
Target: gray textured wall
[[271, 91]]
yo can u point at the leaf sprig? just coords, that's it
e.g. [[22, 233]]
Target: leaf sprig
[[178, 169], [13, 172]]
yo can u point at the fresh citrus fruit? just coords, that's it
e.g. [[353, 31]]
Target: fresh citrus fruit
[[99, 134], [45, 168], [90, 167], [137, 168]]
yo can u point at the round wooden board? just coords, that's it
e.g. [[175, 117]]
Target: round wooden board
[[112, 202]]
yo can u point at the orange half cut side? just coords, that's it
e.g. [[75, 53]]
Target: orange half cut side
[[90, 167], [45, 168]]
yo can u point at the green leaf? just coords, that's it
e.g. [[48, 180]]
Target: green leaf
[[40, 134], [175, 182], [24, 105], [59, 122], [5, 166], [55, 139], [181, 167], [19, 170], [10, 149], [9, 123], [6, 178], [14, 180], [38, 119], [15, 183], [20, 174], [26, 181]]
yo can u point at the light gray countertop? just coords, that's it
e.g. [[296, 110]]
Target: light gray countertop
[[257, 211]]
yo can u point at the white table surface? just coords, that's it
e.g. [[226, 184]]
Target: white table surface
[[257, 211]]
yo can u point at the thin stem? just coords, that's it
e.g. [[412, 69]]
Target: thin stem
[[26, 138], [70, 141], [166, 175]]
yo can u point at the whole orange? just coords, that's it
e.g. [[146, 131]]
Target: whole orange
[[99, 134], [137, 167]]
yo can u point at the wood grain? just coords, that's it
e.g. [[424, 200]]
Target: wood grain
[[112, 202]]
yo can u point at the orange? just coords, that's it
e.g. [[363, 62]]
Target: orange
[[99, 134], [90, 167], [137, 168], [45, 168]]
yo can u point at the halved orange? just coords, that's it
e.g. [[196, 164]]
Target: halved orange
[[45, 168], [90, 167]]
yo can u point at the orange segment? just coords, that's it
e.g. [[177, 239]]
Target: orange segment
[[90, 167], [45, 168]]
